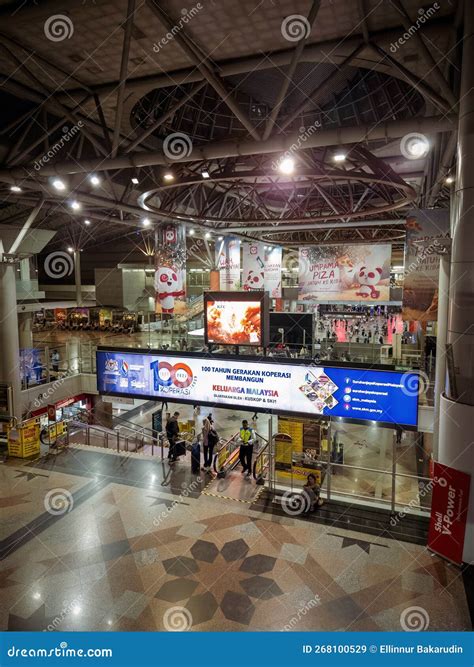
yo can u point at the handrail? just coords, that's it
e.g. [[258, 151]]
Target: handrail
[[259, 461]]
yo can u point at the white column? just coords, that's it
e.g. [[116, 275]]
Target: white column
[[441, 339], [77, 275], [9, 341]]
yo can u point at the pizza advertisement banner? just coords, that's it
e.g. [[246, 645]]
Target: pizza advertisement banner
[[449, 507], [170, 270], [345, 273], [424, 229]]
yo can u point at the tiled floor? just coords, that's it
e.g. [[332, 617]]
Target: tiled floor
[[93, 541]]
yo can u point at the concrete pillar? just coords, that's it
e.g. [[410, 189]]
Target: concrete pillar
[[456, 447], [441, 339], [25, 331], [9, 341], [77, 276]]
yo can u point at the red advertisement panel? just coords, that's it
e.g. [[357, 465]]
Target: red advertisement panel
[[448, 512]]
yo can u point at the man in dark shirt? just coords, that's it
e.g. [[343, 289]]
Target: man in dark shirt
[[172, 432]]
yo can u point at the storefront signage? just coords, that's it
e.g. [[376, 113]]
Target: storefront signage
[[449, 507], [307, 390]]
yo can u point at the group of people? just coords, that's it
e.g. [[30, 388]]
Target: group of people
[[209, 438]]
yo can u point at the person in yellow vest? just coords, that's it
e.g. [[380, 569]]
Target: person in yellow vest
[[247, 439]]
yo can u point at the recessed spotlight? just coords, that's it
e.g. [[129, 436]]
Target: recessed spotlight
[[205, 174], [339, 157], [449, 180], [15, 188], [75, 205], [70, 249], [58, 184], [287, 166], [207, 235], [220, 238], [168, 176], [87, 222], [146, 222], [95, 180], [191, 232], [135, 180]]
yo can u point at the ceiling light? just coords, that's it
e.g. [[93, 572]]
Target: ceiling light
[[75, 205], [191, 232], [339, 157], [135, 180], [414, 146], [168, 176], [287, 166], [87, 222], [207, 235], [15, 188], [205, 174], [70, 249], [449, 180], [59, 184], [95, 180], [146, 222], [221, 238]]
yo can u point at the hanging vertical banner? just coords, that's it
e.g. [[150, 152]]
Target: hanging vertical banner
[[228, 263], [449, 506], [253, 265], [170, 270], [422, 260], [273, 272], [356, 272]]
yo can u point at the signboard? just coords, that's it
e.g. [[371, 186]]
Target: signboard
[[228, 263], [449, 506], [170, 271], [237, 319], [421, 274], [253, 265], [345, 273], [52, 413], [273, 259], [24, 441], [244, 383]]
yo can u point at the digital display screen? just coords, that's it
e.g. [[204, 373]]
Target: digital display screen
[[308, 390], [235, 319]]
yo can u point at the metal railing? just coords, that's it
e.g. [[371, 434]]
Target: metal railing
[[227, 455]]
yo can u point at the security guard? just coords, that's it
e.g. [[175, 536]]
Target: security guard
[[247, 439]]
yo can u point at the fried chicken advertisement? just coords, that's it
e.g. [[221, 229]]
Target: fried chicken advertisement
[[234, 323]]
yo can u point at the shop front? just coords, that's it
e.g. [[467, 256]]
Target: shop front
[[65, 409]]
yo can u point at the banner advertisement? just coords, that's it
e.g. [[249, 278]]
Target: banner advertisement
[[449, 505], [228, 263], [298, 388], [273, 259], [345, 273], [253, 266], [170, 270], [421, 274]]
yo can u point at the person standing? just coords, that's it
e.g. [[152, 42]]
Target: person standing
[[212, 440], [55, 361], [172, 432], [206, 427], [247, 439]]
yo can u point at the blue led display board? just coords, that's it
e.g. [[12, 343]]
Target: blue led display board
[[361, 394]]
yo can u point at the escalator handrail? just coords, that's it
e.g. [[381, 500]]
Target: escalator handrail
[[261, 453], [224, 444]]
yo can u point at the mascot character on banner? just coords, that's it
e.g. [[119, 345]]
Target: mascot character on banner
[[170, 271]]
